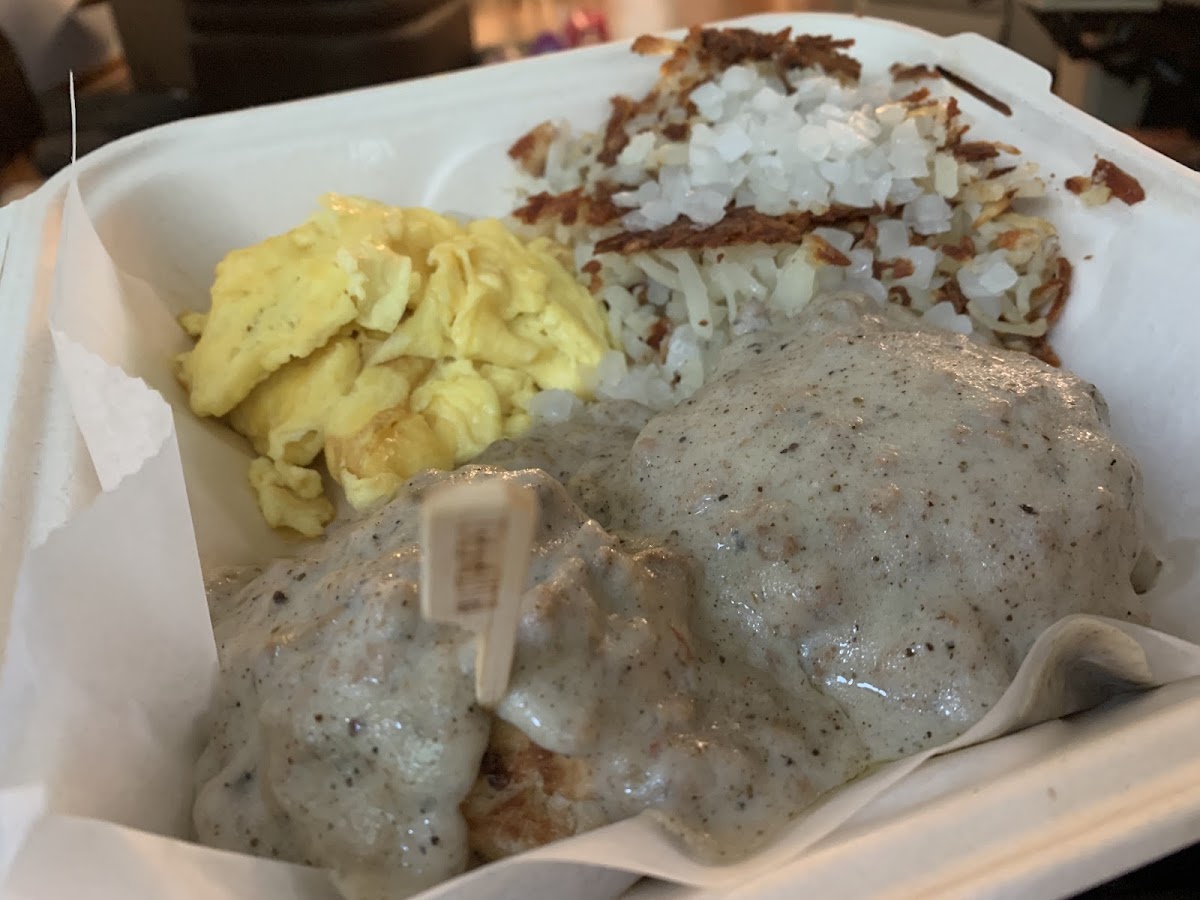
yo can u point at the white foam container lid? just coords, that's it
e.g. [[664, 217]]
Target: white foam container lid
[[1075, 802]]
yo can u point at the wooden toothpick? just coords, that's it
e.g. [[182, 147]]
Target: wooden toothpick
[[476, 538]]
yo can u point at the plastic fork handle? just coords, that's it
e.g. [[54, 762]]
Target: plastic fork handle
[[987, 63]]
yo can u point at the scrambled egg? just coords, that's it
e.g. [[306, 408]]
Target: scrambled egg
[[388, 340]]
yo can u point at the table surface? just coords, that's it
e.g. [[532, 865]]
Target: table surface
[[1172, 878]]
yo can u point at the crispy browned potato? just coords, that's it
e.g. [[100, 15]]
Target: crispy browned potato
[[527, 796]]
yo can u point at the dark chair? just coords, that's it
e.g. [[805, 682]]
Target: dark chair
[[249, 52], [21, 121]]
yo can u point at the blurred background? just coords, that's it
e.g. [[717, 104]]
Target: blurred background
[[138, 63]]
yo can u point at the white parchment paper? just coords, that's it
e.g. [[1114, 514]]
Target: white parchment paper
[[110, 662]]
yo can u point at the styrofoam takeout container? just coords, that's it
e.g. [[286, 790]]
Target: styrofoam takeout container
[[1075, 802]]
